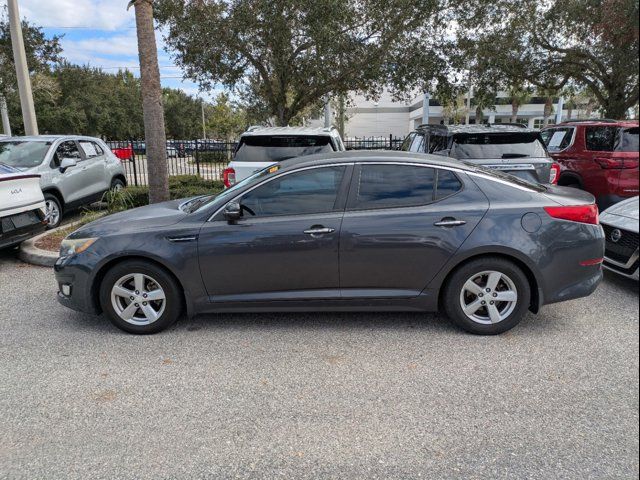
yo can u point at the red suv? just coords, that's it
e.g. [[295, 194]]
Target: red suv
[[599, 156]]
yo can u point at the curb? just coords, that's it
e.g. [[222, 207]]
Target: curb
[[29, 253]]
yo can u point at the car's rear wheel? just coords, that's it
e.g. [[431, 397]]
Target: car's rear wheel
[[116, 185], [140, 297], [487, 296], [53, 210]]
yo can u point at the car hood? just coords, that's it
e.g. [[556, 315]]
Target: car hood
[[135, 220], [627, 208]]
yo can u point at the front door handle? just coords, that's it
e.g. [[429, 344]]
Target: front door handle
[[319, 230], [449, 222]]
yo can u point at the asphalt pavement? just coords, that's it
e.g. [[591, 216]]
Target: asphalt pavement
[[376, 395]]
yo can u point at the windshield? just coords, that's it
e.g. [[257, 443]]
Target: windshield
[[499, 174], [203, 201], [270, 148], [23, 154], [498, 145]]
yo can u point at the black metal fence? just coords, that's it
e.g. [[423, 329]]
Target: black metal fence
[[208, 158]]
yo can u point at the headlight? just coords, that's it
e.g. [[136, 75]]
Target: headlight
[[70, 247]]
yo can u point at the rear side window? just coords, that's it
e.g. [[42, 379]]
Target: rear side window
[[600, 139], [269, 148], [91, 149], [305, 192], [448, 184], [627, 140], [391, 186]]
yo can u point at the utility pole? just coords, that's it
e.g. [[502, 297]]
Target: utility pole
[[425, 108], [22, 70], [6, 125], [327, 112], [559, 110]]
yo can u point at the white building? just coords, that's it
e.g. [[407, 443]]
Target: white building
[[383, 117]]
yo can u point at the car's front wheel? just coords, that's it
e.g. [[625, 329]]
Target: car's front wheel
[[487, 296], [140, 297], [53, 210]]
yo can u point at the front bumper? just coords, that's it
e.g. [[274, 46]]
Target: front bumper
[[629, 269], [74, 286]]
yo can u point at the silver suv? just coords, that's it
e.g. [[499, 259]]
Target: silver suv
[[74, 170], [260, 147]]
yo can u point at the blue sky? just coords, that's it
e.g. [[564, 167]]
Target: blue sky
[[100, 33]]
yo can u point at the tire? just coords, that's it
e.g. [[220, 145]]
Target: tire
[[53, 208], [488, 318], [117, 184], [140, 280]]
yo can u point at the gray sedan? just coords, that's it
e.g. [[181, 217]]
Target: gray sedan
[[620, 223], [342, 231]]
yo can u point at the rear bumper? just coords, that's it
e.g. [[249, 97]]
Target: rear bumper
[[13, 233]]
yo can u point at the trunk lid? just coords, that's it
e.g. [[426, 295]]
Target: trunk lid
[[568, 196], [18, 192], [531, 169]]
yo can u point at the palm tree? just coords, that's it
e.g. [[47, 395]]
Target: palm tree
[[485, 100], [520, 95], [155, 137]]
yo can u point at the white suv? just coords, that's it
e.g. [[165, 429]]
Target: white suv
[[260, 147], [74, 170]]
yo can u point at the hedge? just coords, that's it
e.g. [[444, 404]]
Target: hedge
[[212, 157]]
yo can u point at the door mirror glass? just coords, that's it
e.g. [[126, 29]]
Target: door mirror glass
[[67, 163], [233, 211]]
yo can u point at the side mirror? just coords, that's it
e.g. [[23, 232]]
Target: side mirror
[[67, 163], [232, 211]]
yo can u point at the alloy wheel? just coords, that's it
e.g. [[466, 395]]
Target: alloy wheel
[[52, 211], [488, 297], [138, 299]]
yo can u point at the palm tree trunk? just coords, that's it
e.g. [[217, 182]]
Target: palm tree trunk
[[514, 111], [155, 137], [548, 107]]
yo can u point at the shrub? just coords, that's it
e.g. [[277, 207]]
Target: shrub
[[212, 157], [180, 186]]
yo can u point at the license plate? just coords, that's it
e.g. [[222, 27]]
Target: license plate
[[24, 219]]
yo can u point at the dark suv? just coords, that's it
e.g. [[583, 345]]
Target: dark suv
[[599, 156], [514, 149]]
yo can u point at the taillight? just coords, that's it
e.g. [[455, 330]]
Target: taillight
[[575, 213], [616, 163], [229, 177], [554, 174]]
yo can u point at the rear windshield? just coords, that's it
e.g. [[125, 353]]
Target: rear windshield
[[23, 154], [274, 148], [498, 145], [500, 175]]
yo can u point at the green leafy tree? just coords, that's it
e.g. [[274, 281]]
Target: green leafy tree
[[290, 54], [226, 121], [182, 114]]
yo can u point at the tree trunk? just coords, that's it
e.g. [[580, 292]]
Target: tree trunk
[[155, 138], [341, 115], [548, 107], [514, 111], [479, 115]]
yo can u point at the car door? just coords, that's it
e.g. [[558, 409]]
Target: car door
[[94, 168], [402, 223], [285, 246], [71, 181]]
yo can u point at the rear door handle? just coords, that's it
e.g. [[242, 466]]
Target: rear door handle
[[319, 230], [449, 222]]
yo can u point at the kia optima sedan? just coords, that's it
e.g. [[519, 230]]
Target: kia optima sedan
[[342, 231]]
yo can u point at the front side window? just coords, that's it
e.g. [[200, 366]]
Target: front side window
[[406, 144], [600, 139], [390, 186], [305, 192], [557, 139], [417, 145]]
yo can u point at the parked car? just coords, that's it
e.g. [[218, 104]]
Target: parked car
[[260, 147], [123, 153], [620, 224], [511, 148], [342, 231], [22, 208], [74, 170], [599, 156]]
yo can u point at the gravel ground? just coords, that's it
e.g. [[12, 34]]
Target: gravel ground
[[316, 395]]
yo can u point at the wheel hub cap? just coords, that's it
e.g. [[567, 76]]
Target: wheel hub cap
[[138, 299], [488, 297]]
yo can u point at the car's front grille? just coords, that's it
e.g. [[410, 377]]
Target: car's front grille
[[621, 250], [624, 271]]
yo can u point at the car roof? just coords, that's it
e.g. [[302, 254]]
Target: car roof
[[475, 129], [48, 138], [373, 156], [597, 123], [291, 131]]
